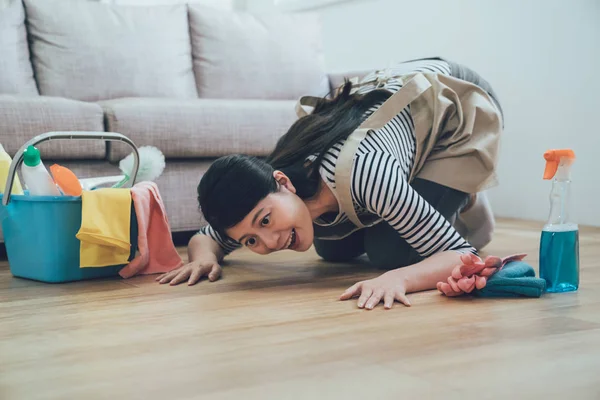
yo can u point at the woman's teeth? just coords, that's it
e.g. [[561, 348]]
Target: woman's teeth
[[291, 240]]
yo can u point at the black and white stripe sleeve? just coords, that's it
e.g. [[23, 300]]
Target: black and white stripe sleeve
[[227, 244], [379, 186]]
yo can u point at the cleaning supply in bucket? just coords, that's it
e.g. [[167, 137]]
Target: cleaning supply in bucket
[[5, 161], [35, 176], [105, 227], [66, 180], [157, 253], [152, 165], [559, 242]]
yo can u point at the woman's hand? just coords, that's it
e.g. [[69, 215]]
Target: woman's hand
[[192, 272], [393, 285], [473, 273], [389, 287]]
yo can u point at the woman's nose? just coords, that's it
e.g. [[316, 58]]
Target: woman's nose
[[271, 240]]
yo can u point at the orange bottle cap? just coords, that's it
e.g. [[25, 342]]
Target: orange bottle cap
[[553, 158], [66, 180]]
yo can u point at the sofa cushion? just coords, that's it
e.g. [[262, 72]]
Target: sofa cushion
[[90, 51], [22, 118], [199, 128], [16, 74], [238, 55]]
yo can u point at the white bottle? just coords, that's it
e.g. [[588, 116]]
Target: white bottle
[[36, 176]]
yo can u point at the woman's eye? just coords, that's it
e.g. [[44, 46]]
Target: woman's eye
[[250, 242], [265, 220]]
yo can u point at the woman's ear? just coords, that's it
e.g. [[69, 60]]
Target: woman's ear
[[284, 181]]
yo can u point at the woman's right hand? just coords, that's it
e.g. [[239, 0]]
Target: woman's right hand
[[192, 272]]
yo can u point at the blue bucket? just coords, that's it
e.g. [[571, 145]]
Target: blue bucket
[[40, 232]]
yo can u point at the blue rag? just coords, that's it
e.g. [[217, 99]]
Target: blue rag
[[515, 279]]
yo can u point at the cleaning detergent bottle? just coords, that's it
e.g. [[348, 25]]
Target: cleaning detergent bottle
[[559, 244], [5, 161], [35, 176]]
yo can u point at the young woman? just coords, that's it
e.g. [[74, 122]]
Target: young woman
[[391, 167]]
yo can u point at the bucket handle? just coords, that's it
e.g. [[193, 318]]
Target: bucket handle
[[44, 137]]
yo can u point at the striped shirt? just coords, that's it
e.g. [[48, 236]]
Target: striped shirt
[[380, 174]]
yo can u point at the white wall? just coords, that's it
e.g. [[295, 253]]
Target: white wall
[[541, 56]]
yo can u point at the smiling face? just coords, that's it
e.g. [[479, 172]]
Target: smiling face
[[280, 221]]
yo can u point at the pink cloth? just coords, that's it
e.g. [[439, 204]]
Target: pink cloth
[[473, 273], [157, 253]]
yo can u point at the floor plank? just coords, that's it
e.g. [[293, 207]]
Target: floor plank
[[273, 329]]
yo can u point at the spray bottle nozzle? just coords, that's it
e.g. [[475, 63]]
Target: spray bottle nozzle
[[554, 158]]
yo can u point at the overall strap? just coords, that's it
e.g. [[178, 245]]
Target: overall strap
[[408, 93], [309, 101]]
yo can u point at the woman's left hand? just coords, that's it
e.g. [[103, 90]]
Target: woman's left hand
[[389, 287]]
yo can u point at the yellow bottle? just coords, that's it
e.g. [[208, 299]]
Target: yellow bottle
[[5, 161]]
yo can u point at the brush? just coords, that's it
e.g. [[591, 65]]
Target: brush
[[152, 165]]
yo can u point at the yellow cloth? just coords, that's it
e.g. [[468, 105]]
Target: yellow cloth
[[105, 224]]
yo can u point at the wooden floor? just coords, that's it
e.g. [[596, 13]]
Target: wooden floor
[[273, 329]]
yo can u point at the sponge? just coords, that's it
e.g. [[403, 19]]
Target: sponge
[[66, 180]]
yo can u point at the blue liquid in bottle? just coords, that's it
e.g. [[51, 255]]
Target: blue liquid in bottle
[[559, 258], [559, 243]]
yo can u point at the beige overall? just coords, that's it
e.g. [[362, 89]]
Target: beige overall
[[457, 129]]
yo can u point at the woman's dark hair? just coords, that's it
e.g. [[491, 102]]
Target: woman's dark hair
[[312, 135], [233, 185], [231, 188]]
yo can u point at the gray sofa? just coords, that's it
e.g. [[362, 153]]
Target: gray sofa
[[196, 82]]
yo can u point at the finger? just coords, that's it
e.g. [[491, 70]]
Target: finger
[[364, 296], [401, 297], [182, 276], [453, 284], [475, 258], [168, 276], [215, 272], [457, 272], [447, 290], [440, 286], [470, 258], [488, 271], [195, 276], [160, 277], [468, 270], [466, 258], [388, 300], [493, 262], [375, 299], [454, 294], [471, 286], [480, 282], [351, 291], [465, 284]]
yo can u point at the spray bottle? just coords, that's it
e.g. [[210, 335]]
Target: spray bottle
[[559, 244]]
